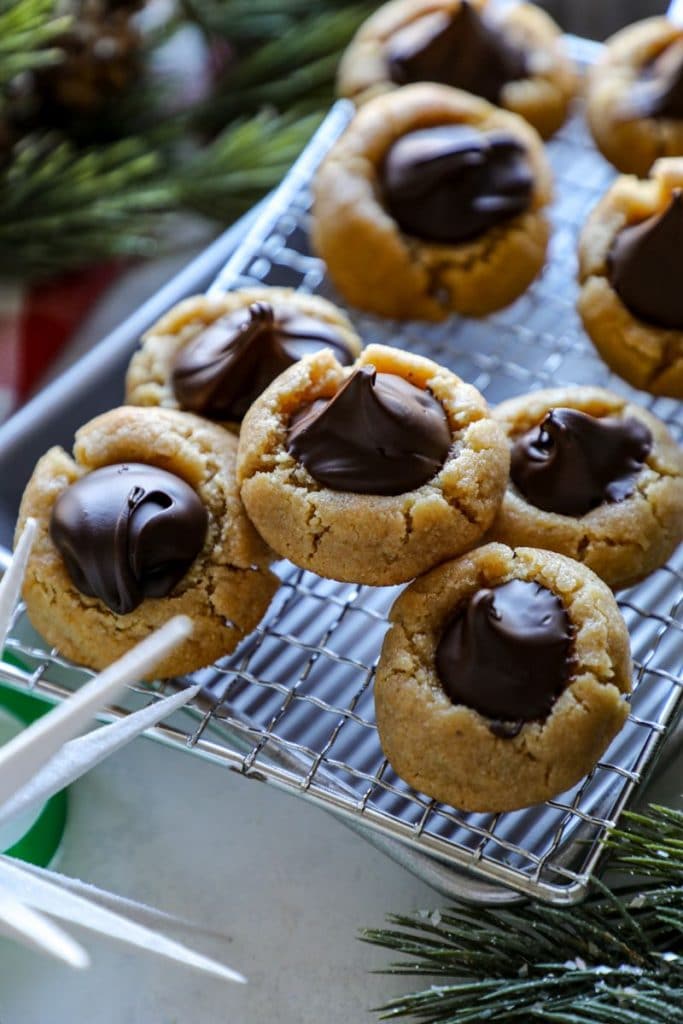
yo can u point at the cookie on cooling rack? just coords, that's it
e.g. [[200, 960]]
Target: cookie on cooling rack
[[374, 473], [594, 477], [635, 96], [213, 355], [431, 203], [502, 678], [631, 299], [143, 523], [514, 57]]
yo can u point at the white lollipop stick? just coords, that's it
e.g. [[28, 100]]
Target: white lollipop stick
[[675, 13], [21, 758], [10, 584], [27, 926]]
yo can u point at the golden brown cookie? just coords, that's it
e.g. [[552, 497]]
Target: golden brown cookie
[[514, 56], [608, 491], [632, 107], [234, 345], [225, 589], [375, 538], [637, 344], [560, 647], [381, 267]]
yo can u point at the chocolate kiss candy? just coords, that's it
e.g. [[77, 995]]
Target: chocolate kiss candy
[[377, 435], [464, 50], [573, 462], [227, 366], [507, 654], [644, 267], [658, 92], [452, 183], [127, 532]]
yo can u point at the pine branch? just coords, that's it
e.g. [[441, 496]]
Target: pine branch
[[621, 954], [299, 66], [67, 204], [27, 28], [246, 23], [241, 165], [61, 208]]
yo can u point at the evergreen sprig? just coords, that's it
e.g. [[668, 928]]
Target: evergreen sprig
[[62, 207], [28, 28], [616, 959], [296, 68], [253, 22], [95, 184], [242, 164]]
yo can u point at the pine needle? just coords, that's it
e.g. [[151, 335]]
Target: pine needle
[[299, 66], [254, 22], [620, 953], [242, 164], [103, 185], [27, 28], [62, 208]]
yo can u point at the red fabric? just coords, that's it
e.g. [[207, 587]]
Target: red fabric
[[50, 315]]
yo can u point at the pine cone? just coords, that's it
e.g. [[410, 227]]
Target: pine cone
[[102, 57]]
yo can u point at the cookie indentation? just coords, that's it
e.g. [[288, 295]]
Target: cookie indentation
[[452, 183], [127, 532], [573, 462], [507, 654], [465, 50], [227, 366], [644, 270], [378, 435]]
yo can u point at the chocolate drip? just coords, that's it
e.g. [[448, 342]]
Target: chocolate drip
[[644, 267], [464, 50], [226, 367], [507, 654], [573, 462], [377, 435], [658, 92], [127, 532], [452, 183]]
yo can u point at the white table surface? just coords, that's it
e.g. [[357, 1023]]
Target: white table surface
[[286, 885]]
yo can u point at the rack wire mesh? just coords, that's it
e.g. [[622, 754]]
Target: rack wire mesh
[[294, 704]]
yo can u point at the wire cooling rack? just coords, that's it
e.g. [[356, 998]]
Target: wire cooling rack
[[294, 704]]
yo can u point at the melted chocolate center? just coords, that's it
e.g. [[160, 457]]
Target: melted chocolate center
[[127, 532], [377, 435], [227, 366], [658, 92], [507, 654], [573, 462], [644, 267], [452, 183], [464, 50]]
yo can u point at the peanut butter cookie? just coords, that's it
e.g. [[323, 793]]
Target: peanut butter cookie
[[145, 522], [594, 477], [430, 203], [502, 678], [635, 96], [631, 300], [371, 474], [514, 57], [213, 355]]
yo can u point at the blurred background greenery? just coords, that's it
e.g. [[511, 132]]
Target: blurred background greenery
[[117, 116]]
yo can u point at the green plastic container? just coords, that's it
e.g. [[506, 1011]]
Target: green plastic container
[[35, 838]]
